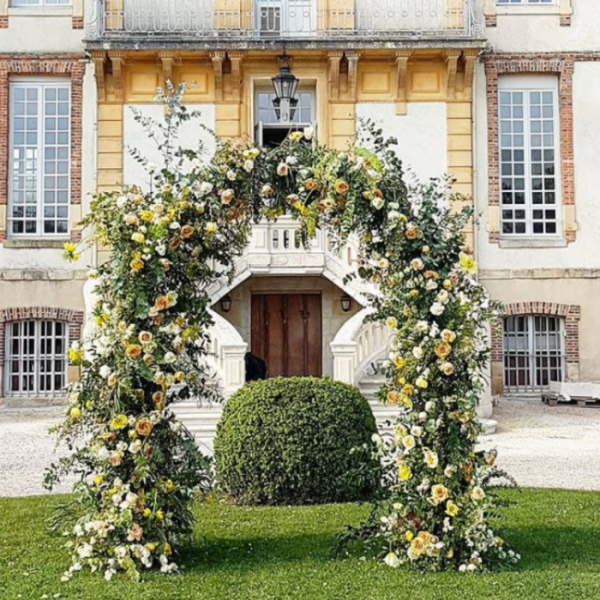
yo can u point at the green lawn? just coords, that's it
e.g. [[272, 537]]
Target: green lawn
[[280, 553]]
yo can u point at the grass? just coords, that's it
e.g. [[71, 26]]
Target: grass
[[283, 553]]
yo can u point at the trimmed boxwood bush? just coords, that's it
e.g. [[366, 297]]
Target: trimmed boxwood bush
[[298, 440]]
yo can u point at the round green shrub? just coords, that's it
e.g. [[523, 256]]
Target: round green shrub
[[297, 440]]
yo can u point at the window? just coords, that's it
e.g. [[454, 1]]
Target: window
[[269, 131], [517, 2], [285, 17], [533, 352], [39, 179], [35, 3], [528, 136], [36, 362]]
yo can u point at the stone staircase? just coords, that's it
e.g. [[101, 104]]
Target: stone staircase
[[202, 420]]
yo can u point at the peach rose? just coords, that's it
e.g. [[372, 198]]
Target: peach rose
[[227, 196], [341, 187], [143, 427], [187, 231], [133, 351]]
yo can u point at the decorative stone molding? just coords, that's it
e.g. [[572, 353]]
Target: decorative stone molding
[[571, 313], [74, 318], [67, 65], [402, 58], [562, 65], [217, 59]]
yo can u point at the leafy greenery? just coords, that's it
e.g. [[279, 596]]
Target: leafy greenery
[[284, 554], [296, 440]]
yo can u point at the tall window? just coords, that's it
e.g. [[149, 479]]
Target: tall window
[[40, 132], [36, 361], [533, 352], [528, 123]]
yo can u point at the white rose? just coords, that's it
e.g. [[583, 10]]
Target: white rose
[[206, 187], [436, 309], [231, 175], [391, 560], [291, 160], [309, 133], [417, 352], [377, 203], [170, 358], [248, 165], [121, 201]]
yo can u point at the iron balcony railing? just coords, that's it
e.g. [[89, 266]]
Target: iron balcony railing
[[288, 19]]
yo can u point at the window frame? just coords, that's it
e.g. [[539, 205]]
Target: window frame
[[527, 84], [41, 83], [533, 352], [37, 392], [534, 3], [43, 4]]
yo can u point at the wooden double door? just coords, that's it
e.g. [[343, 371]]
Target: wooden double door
[[286, 333]]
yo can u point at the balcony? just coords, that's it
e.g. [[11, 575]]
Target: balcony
[[298, 22]]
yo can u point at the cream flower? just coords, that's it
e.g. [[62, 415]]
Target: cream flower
[[282, 169]]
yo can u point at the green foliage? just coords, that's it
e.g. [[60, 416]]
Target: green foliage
[[296, 441]]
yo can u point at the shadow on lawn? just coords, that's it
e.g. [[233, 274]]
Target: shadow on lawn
[[246, 553], [546, 548], [542, 549]]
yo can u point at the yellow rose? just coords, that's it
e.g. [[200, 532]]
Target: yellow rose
[[211, 228], [160, 515], [75, 413], [408, 389], [439, 493], [98, 479], [391, 322], [393, 397], [138, 237], [451, 508], [296, 136], [404, 472], [147, 512], [169, 485], [422, 383], [133, 351], [409, 535], [137, 264], [119, 422], [399, 362], [146, 215], [443, 349]]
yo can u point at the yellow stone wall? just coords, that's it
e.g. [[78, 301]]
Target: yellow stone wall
[[428, 76]]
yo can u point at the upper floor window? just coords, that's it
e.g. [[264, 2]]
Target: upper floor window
[[279, 17], [521, 2], [529, 156], [36, 3], [36, 361], [39, 165], [533, 352]]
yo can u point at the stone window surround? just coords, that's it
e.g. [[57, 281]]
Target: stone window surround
[[60, 65], [571, 313], [562, 8], [74, 11], [74, 318], [562, 65]]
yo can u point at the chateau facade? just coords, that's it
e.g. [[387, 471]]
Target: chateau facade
[[473, 88]]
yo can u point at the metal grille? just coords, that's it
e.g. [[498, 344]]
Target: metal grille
[[36, 359], [528, 142], [40, 158], [533, 352]]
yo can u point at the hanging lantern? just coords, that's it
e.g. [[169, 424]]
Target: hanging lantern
[[285, 84]]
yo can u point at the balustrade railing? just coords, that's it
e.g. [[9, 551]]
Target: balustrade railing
[[256, 19]]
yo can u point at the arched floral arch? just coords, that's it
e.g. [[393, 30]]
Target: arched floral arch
[[139, 466]]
